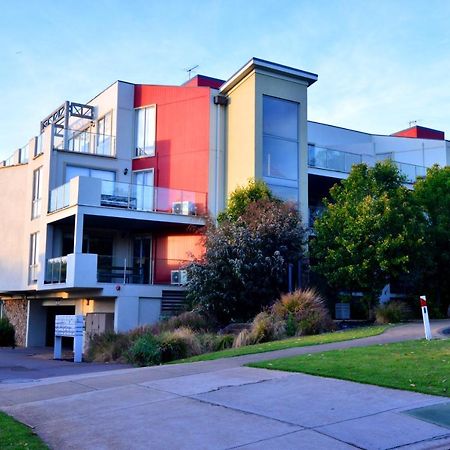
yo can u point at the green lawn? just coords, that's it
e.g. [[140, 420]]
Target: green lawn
[[14, 435], [421, 366], [302, 341]]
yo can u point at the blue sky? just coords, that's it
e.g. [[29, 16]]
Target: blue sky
[[381, 63]]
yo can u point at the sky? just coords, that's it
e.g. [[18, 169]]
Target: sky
[[381, 63]]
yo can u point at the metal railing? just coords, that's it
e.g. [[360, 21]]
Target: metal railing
[[150, 198], [59, 197], [56, 270], [84, 142], [138, 270]]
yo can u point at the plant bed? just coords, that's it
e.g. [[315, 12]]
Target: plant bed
[[420, 365]]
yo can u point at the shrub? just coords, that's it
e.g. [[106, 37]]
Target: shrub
[[7, 333], [190, 319], [265, 327], [146, 351], [210, 342], [393, 312], [305, 308], [108, 347], [178, 344]]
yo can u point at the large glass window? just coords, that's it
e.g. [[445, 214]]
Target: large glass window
[[75, 171], [34, 258], [146, 131], [37, 193], [281, 146], [144, 190]]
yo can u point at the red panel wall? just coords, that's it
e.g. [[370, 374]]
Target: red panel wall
[[421, 132], [172, 251], [182, 135]]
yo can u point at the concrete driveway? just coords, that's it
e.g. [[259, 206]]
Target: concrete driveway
[[222, 405]]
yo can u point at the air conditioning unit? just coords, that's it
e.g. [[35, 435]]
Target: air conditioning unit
[[185, 208], [178, 276]]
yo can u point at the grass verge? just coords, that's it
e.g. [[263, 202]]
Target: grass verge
[[14, 435], [302, 341], [420, 366]]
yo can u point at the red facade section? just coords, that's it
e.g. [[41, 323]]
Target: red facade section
[[421, 133], [182, 135], [203, 80]]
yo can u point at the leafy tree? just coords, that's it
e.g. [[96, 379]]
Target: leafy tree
[[245, 264], [370, 232], [433, 195], [241, 197]]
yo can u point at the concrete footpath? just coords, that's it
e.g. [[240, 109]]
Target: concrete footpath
[[222, 405]]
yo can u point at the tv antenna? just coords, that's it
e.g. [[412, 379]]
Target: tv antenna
[[413, 123], [190, 70]]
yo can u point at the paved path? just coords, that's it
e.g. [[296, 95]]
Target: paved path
[[221, 405], [28, 364]]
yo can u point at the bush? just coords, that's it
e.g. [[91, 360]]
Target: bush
[[190, 319], [304, 312], [265, 327], [393, 312], [146, 351], [210, 342], [108, 347], [7, 333], [179, 344]]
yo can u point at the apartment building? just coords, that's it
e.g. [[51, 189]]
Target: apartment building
[[103, 209]]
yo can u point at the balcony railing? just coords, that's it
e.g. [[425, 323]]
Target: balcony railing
[[56, 270], [341, 161], [59, 197], [142, 270], [150, 198], [337, 160], [20, 156], [84, 142]]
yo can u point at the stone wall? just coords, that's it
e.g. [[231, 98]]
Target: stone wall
[[16, 312]]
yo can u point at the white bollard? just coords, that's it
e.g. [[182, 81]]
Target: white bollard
[[426, 320]]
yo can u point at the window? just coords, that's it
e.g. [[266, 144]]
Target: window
[[37, 193], [281, 146], [144, 190], [34, 258], [104, 136], [75, 171], [145, 131]]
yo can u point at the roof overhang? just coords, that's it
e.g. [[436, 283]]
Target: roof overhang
[[270, 67]]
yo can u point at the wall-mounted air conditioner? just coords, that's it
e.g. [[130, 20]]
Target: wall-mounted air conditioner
[[185, 208], [178, 276]]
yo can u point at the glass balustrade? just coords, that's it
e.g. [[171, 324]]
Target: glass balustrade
[[56, 270], [85, 142], [59, 197]]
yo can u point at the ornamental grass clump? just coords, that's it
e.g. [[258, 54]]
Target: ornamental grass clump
[[303, 312], [178, 344]]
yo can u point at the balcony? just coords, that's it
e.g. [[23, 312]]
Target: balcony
[[87, 270], [125, 196], [84, 142]]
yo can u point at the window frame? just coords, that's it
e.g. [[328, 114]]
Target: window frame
[[141, 152], [36, 195]]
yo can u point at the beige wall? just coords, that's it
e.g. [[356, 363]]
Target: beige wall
[[245, 129], [240, 134]]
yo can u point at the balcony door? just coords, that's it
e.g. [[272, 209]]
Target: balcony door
[[142, 264], [144, 181]]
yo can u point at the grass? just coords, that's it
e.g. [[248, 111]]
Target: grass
[[14, 435], [420, 366], [302, 341]]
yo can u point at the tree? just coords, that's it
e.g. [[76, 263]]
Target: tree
[[245, 264], [241, 197], [433, 195], [370, 232]]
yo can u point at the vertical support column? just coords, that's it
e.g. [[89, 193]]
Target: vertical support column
[[66, 125], [78, 233]]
